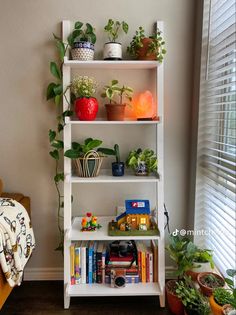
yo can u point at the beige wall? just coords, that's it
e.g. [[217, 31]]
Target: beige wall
[[26, 48]]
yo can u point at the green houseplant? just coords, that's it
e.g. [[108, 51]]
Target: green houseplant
[[147, 48], [85, 105], [55, 93], [116, 95], [81, 41], [87, 157], [194, 302], [208, 281], [143, 162], [113, 49]]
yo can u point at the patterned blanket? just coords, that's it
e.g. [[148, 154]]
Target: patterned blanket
[[16, 240]]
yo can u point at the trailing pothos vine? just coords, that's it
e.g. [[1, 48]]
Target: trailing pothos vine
[[55, 93]]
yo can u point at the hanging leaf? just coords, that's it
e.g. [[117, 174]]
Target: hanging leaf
[[52, 135], [54, 70], [58, 89], [67, 113], [50, 91], [61, 49], [57, 99], [58, 177], [58, 144], [54, 154], [60, 127]]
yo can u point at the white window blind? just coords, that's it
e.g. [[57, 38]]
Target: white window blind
[[215, 204]]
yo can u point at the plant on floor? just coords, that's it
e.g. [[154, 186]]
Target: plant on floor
[[116, 95], [143, 162], [209, 281], [193, 301], [147, 48], [86, 106], [55, 92]]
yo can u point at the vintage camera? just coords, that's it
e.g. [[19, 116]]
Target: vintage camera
[[118, 278]]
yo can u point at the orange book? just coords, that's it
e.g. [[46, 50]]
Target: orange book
[[143, 260]]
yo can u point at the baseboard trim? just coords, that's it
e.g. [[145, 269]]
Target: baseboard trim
[[44, 274]]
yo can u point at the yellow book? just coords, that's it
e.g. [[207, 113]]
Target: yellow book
[[143, 260], [72, 263]]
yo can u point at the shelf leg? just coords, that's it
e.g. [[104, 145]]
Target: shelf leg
[[66, 298], [162, 300]]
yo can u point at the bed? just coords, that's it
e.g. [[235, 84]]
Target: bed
[[5, 289]]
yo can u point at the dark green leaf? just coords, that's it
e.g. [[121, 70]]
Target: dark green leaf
[[93, 144], [89, 29], [75, 146], [86, 141], [67, 113], [50, 91], [56, 37], [75, 35], [114, 82], [125, 27], [231, 272], [78, 25], [58, 177], [58, 144], [70, 40], [106, 151], [61, 49], [52, 135], [60, 127], [54, 154], [72, 154], [55, 70], [58, 89], [93, 38]]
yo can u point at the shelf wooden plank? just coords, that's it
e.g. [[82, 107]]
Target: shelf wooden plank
[[102, 234], [105, 64], [96, 289], [107, 122], [106, 177]]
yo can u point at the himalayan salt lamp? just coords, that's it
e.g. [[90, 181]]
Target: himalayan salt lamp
[[144, 106]]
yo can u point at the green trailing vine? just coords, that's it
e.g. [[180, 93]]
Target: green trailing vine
[[55, 93]]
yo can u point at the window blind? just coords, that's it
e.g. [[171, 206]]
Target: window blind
[[215, 198]]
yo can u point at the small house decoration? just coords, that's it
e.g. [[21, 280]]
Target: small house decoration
[[136, 216], [89, 223]]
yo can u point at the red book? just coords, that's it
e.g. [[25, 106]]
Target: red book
[[114, 257]]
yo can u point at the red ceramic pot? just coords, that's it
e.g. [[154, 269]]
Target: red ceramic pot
[[86, 108], [174, 303]]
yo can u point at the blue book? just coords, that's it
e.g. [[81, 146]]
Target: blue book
[[90, 261]]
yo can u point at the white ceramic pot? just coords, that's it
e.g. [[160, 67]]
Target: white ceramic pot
[[112, 51], [202, 267]]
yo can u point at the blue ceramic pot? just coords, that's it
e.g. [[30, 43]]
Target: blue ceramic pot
[[118, 169], [87, 45]]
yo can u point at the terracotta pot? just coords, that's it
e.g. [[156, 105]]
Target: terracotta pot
[[143, 51], [199, 267], [115, 111], [174, 303], [216, 308], [204, 288], [86, 108]]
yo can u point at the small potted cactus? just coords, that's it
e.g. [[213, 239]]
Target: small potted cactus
[[118, 166]]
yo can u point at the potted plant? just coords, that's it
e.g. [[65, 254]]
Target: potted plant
[[177, 248], [147, 48], [223, 300], [194, 302], [82, 41], [143, 162], [116, 94], [208, 281], [85, 105], [118, 166], [113, 49], [87, 157], [202, 261]]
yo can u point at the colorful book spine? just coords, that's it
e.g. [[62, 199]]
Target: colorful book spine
[[83, 262], [150, 265], [132, 279], [139, 253], [77, 265], [143, 262], [154, 246], [99, 262], [95, 262], [72, 263], [147, 267], [90, 262], [104, 251]]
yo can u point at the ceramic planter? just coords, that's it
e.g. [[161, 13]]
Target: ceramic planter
[[174, 303], [206, 290], [112, 51], [216, 308], [118, 169], [82, 51], [115, 111], [143, 51], [86, 108], [199, 267], [141, 169]]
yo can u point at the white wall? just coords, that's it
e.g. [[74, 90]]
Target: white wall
[[26, 49]]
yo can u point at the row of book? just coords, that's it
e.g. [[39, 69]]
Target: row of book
[[93, 261]]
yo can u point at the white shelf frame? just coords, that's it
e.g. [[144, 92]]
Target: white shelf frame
[[157, 289]]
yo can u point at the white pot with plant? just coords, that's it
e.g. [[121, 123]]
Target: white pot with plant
[[113, 49], [115, 94], [82, 42], [143, 162]]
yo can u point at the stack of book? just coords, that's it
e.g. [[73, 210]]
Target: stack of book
[[91, 263]]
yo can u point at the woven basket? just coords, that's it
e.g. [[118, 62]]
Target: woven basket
[[89, 165]]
